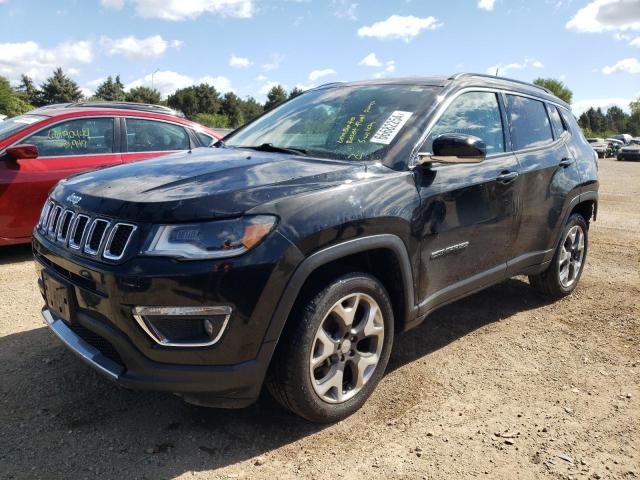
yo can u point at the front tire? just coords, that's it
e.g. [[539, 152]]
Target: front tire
[[563, 274], [335, 349]]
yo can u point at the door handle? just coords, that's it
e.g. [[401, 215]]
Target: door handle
[[565, 162], [507, 177]]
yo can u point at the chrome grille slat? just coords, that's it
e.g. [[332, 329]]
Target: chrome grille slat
[[118, 252], [44, 215], [96, 236], [63, 225], [53, 220], [88, 235], [79, 227]]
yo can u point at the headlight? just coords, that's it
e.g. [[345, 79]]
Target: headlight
[[218, 239]]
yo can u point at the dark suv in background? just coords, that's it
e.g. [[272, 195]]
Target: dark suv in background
[[292, 252]]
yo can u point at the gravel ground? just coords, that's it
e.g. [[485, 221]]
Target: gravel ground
[[500, 385]]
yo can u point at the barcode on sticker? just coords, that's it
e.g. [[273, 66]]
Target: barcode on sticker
[[391, 126]]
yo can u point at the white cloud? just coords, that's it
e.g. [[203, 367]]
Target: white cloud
[[635, 42], [486, 4], [239, 62], [137, 48], [370, 60], [317, 74], [38, 62], [603, 103], [607, 15], [390, 66], [629, 65], [345, 9], [267, 86], [504, 69], [168, 81], [399, 27], [113, 4], [176, 10], [274, 64]]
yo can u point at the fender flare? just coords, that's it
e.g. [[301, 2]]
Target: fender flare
[[335, 252], [578, 199]]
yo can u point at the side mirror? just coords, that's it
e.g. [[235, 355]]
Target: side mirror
[[455, 148], [22, 151]]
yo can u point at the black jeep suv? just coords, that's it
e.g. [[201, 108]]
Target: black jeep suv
[[290, 253]]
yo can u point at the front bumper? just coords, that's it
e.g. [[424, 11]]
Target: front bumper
[[233, 386], [628, 156], [104, 334]]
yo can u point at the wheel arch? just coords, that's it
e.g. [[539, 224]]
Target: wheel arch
[[389, 251]]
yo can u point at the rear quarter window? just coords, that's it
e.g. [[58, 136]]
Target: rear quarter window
[[529, 123]]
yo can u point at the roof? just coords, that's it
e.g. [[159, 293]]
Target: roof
[[463, 80], [59, 108]]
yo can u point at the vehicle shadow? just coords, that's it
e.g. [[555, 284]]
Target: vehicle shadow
[[60, 419], [15, 253]]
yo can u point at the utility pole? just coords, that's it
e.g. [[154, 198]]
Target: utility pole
[[152, 75]]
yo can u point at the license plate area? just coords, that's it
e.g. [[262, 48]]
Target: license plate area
[[59, 297]]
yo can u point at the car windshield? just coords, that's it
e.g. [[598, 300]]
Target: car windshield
[[344, 122], [15, 124]]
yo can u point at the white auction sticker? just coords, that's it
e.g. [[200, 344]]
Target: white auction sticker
[[391, 126]]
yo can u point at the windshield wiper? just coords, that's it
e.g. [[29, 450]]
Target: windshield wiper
[[270, 147]]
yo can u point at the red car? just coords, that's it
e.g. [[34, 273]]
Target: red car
[[51, 143]]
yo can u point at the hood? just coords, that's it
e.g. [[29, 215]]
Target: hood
[[203, 184]]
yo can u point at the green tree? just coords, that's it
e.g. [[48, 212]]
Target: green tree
[[251, 108], [231, 107], [111, 90], [143, 95], [584, 121], [60, 89], [276, 96], [558, 88], [29, 91], [11, 103], [213, 120], [196, 99], [616, 119], [295, 92]]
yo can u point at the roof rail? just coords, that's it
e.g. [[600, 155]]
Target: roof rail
[[484, 75], [142, 107]]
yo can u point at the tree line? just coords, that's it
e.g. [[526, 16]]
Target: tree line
[[598, 123], [204, 104], [201, 103]]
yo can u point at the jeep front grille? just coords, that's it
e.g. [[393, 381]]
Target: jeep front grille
[[91, 236]]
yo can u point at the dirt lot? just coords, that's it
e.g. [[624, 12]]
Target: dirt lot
[[500, 385]]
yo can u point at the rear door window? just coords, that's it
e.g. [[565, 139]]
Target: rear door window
[[556, 121], [80, 136], [155, 136], [473, 113], [529, 123]]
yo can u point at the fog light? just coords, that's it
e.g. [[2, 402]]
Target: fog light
[[208, 327], [183, 326]]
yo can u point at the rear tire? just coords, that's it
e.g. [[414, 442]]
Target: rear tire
[[335, 349], [563, 274]]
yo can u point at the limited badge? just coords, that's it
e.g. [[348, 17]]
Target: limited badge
[[391, 126]]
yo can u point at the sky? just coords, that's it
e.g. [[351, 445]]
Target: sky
[[247, 46]]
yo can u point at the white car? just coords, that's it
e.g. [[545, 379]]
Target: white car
[[599, 146]]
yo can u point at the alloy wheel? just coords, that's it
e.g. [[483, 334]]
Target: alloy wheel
[[571, 256], [346, 348]]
